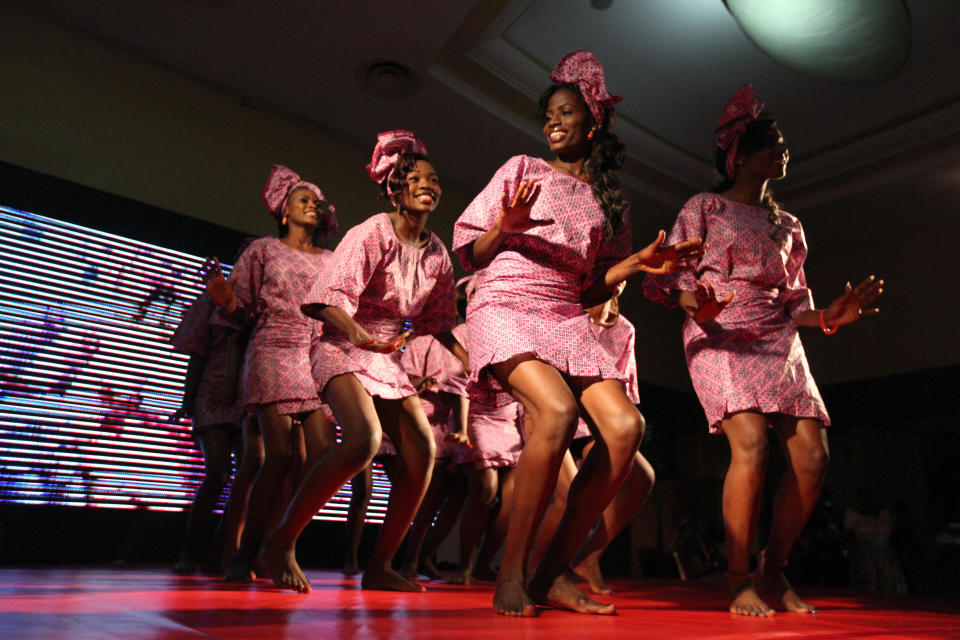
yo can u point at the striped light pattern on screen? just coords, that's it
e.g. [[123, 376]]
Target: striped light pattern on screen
[[88, 378]]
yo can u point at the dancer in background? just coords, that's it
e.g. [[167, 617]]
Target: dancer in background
[[441, 384], [386, 269], [266, 288], [744, 302], [549, 235], [215, 413]]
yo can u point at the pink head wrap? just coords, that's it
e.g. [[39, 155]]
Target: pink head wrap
[[281, 182], [742, 109], [390, 146], [581, 68]]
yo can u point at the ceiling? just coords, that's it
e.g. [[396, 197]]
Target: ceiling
[[480, 66]]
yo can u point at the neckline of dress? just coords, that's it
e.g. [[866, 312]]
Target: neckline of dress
[[742, 204], [557, 171], [306, 253], [418, 247]]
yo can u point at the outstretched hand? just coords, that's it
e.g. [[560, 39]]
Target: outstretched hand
[[854, 303], [220, 290], [515, 216], [702, 304], [366, 342], [657, 258]]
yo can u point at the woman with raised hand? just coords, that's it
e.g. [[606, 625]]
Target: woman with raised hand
[[385, 270], [744, 302], [266, 288], [549, 235]]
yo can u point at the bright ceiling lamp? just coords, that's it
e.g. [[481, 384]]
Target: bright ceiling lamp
[[841, 40]]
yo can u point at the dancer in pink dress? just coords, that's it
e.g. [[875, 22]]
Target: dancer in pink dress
[[266, 288], [744, 302], [386, 269], [549, 235], [215, 412], [442, 385], [617, 336]]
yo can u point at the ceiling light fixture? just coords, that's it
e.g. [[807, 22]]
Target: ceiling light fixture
[[387, 79], [844, 41]]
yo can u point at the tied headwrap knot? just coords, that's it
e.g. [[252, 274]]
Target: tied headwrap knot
[[742, 109], [390, 146], [281, 182], [581, 68]]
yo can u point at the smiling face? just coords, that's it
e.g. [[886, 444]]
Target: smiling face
[[566, 123], [769, 160], [303, 208], [421, 189]]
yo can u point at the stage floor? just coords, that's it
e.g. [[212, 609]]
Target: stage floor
[[121, 602]]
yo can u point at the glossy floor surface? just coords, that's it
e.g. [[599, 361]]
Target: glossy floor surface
[[121, 602]]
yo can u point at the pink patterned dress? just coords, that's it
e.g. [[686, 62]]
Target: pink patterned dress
[[380, 281], [620, 344], [271, 282], [527, 299], [426, 357], [496, 436], [750, 357], [197, 336]]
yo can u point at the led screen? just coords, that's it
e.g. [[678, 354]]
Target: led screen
[[88, 378]]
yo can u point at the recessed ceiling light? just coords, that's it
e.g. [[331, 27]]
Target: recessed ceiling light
[[846, 41], [387, 79]]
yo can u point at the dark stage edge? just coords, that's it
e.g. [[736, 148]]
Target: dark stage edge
[[120, 602]]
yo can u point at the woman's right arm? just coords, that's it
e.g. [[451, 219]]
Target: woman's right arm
[[514, 218]]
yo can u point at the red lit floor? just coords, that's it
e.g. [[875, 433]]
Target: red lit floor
[[103, 603]]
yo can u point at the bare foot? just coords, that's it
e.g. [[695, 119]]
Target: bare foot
[[239, 572], [460, 577], [351, 567], [486, 574], [564, 594], [389, 580], [184, 567], [430, 570], [746, 602], [281, 566], [510, 599], [409, 571], [776, 587], [589, 570]]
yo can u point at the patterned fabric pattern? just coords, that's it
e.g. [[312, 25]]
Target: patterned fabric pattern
[[426, 357], [199, 337], [271, 282], [380, 281], [750, 356], [743, 108], [496, 436], [527, 299], [620, 344], [390, 145]]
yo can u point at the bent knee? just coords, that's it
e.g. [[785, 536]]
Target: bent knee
[[751, 452], [624, 431], [813, 461], [558, 413]]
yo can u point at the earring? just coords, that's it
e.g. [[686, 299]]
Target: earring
[[284, 221], [590, 134]]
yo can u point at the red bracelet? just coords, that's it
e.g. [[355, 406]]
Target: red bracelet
[[823, 325]]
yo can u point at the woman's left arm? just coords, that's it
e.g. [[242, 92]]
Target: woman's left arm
[[855, 303]]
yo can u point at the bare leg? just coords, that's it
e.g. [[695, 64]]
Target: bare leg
[[551, 519], [616, 517], [436, 492], [619, 430], [481, 492], [497, 530], [215, 445], [749, 452], [276, 430], [360, 427], [552, 408], [406, 424], [236, 509], [361, 487], [804, 442], [446, 520]]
